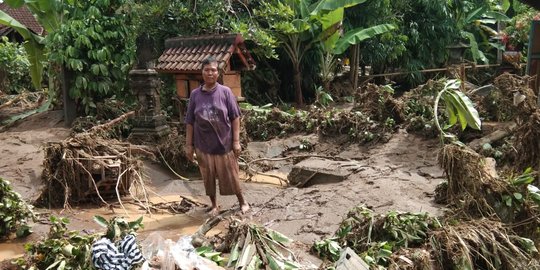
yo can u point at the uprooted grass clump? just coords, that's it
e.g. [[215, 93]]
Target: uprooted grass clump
[[472, 185], [477, 192], [14, 212], [482, 244], [527, 142]]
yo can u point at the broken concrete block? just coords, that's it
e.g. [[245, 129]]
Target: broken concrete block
[[349, 260], [320, 171]]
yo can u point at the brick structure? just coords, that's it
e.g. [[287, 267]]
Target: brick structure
[[183, 57]]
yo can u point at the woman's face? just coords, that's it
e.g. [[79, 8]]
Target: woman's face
[[210, 73]]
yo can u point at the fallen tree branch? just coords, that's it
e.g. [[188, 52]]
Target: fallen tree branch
[[111, 123], [493, 137], [299, 156], [11, 101]]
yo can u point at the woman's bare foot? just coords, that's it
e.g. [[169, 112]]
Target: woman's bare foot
[[214, 211], [244, 208]]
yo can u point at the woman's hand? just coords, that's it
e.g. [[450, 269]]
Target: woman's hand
[[237, 148], [189, 152]]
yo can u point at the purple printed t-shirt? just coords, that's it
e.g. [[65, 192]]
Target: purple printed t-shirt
[[211, 114]]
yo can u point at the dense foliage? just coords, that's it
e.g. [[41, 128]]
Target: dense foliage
[[14, 212], [14, 68], [96, 45]]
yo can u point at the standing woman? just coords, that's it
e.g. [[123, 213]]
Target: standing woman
[[213, 133]]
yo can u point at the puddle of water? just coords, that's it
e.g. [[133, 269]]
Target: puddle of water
[[9, 251]]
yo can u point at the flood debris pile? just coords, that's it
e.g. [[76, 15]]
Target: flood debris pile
[[252, 246], [171, 152], [68, 249], [373, 119], [510, 97], [472, 184], [418, 109], [105, 111], [15, 213], [87, 167], [14, 104], [378, 102], [266, 122], [527, 143], [481, 244], [376, 237], [418, 241]]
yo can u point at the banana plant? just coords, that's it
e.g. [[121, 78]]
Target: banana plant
[[47, 13], [302, 26], [472, 18], [458, 108]]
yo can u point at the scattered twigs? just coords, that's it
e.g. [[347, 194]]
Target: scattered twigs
[[171, 169]]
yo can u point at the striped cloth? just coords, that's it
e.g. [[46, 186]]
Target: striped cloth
[[107, 256]]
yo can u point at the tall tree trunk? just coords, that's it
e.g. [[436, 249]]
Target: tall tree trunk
[[353, 75], [298, 85], [70, 106]]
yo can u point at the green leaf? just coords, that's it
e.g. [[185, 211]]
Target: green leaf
[[328, 5], [452, 116], [101, 221], [476, 53], [23, 231], [95, 69], [273, 263], [498, 16], [135, 225], [358, 35], [475, 14], [464, 107], [254, 264], [15, 3], [279, 237]]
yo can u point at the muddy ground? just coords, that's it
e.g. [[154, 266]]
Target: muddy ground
[[399, 175]]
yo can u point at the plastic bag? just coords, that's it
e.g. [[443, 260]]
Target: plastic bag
[[168, 255]]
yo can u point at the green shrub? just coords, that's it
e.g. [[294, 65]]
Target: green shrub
[[14, 68], [14, 212]]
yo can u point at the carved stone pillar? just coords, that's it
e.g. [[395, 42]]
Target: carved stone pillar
[[149, 123]]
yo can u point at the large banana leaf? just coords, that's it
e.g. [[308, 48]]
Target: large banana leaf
[[330, 33], [327, 5], [34, 47], [476, 52], [460, 107], [357, 35]]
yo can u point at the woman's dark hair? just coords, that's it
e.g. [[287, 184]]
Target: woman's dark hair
[[208, 60]]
